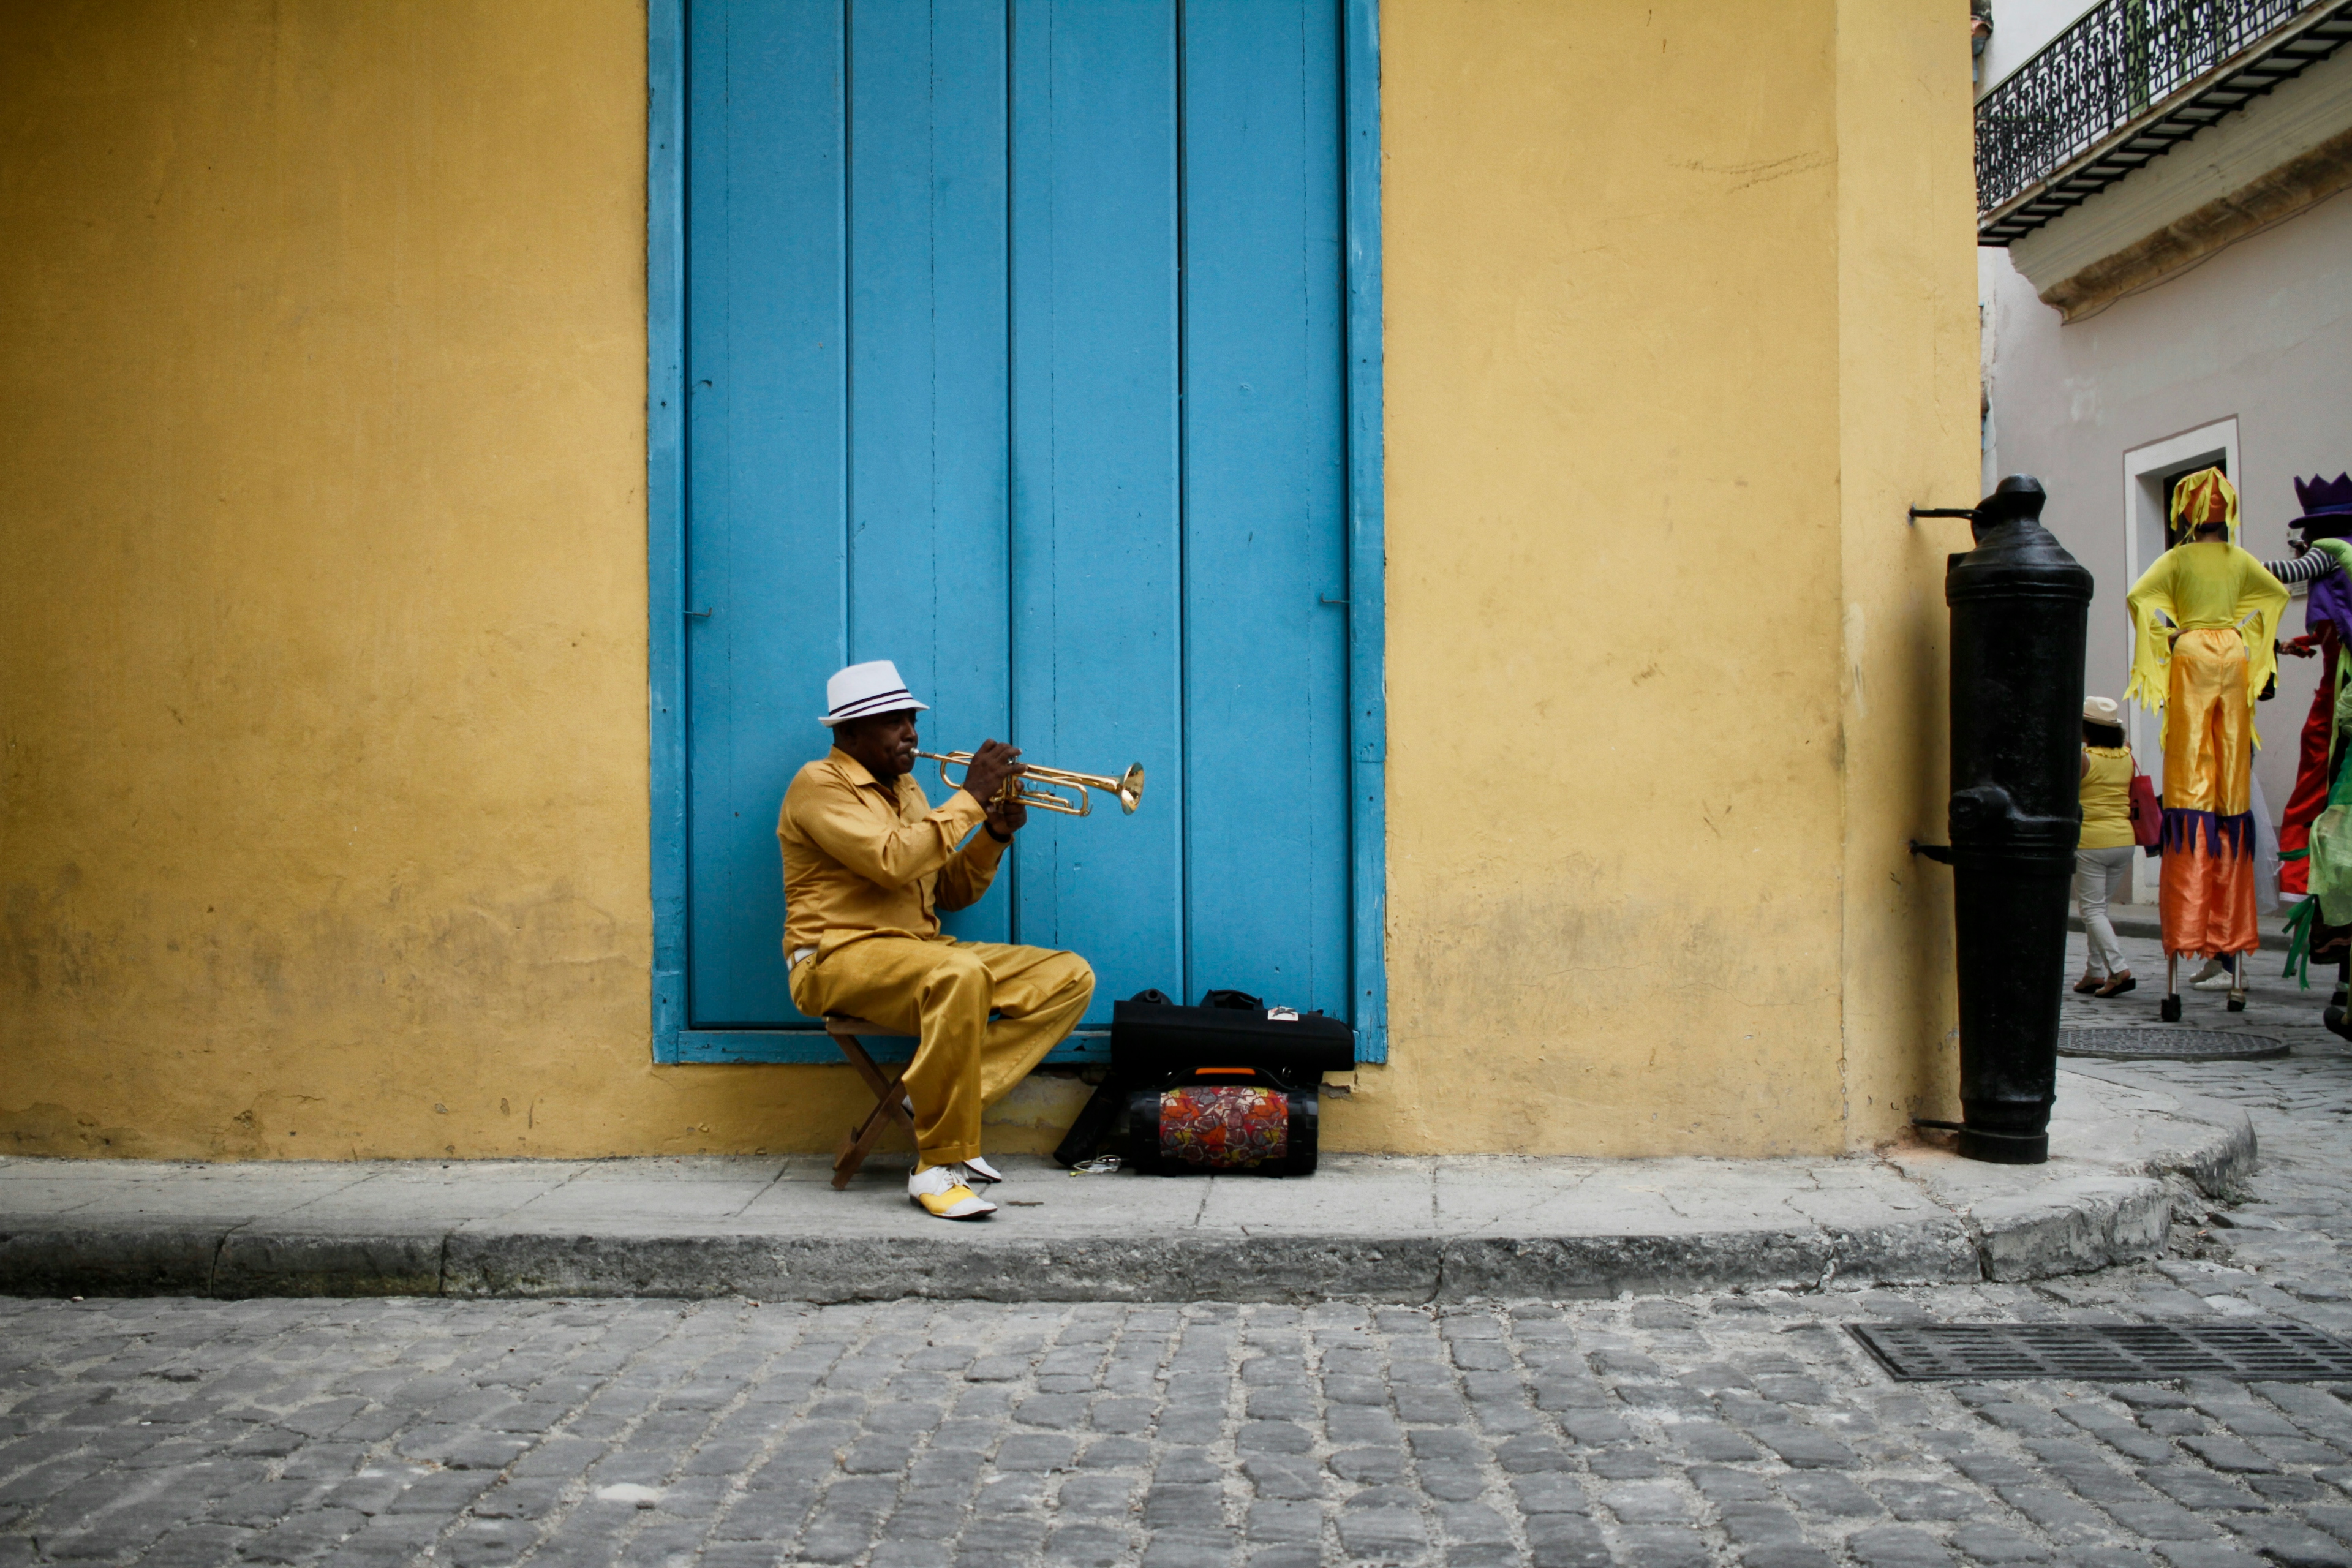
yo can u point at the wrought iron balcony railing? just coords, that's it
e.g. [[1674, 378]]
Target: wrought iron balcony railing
[[2125, 83]]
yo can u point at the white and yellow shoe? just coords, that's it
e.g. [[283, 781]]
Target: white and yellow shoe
[[980, 1170], [942, 1191]]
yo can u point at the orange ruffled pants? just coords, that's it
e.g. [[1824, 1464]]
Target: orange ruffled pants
[[2207, 897]]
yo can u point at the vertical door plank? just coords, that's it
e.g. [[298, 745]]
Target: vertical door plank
[[766, 440], [928, 396], [1265, 502], [1097, 567]]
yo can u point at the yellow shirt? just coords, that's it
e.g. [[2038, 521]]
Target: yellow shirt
[[2106, 798], [864, 859], [2202, 586]]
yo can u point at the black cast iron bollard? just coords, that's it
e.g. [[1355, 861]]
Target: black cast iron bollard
[[2021, 606]]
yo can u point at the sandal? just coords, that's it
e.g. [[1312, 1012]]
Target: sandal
[[2088, 983], [2117, 984]]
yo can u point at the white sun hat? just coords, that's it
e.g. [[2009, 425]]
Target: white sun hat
[[863, 688], [2102, 711]]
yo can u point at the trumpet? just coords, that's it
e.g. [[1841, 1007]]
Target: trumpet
[[1128, 786]]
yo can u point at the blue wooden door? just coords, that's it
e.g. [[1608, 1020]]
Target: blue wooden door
[[1015, 354]]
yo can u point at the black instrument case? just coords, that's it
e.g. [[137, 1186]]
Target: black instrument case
[[1154, 1045]]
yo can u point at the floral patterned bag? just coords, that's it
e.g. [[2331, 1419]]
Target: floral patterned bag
[[1222, 1120]]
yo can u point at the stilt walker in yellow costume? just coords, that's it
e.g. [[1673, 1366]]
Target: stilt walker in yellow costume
[[2204, 621]]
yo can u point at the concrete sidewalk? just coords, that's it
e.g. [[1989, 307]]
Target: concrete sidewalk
[[1380, 1228]]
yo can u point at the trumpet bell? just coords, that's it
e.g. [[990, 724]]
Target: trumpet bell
[[1130, 788]]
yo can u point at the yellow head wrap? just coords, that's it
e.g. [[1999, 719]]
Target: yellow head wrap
[[2205, 496]]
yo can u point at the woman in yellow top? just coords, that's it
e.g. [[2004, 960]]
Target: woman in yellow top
[[2103, 855], [2203, 669]]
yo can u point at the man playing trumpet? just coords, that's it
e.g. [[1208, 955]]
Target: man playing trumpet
[[868, 864]]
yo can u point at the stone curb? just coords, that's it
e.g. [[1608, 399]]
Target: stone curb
[[2198, 1149], [228, 1259], [1281, 1268]]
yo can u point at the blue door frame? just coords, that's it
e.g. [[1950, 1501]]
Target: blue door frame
[[674, 1040]]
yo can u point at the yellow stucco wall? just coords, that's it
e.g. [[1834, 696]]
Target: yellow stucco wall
[[323, 799], [1677, 326]]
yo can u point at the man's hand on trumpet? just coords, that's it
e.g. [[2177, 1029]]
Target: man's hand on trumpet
[[1005, 820], [984, 779]]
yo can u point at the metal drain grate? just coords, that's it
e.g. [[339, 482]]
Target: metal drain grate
[[2169, 1044], [2121, 1353]]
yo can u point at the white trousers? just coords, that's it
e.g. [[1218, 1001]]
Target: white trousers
[[2100, 877]]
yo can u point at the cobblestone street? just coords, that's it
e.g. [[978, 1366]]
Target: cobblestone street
[[1718, 1429]]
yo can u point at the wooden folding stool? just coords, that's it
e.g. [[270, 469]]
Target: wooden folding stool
[[889, 1096]]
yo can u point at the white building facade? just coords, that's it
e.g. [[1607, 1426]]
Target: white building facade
[[2166, 283]]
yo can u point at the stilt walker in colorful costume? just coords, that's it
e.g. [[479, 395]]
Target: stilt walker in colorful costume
[[2326, 525], [2204, 626], [2327, 633]]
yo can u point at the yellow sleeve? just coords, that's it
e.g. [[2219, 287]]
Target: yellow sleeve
[[967, 876], [2150, 597], [2262, 597], [852, 832]]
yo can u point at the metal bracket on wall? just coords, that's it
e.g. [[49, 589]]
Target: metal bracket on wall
[[1939, 852], [1918, 512]]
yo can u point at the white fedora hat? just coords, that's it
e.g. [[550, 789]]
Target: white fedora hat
[[862, 688], [2102, 711]]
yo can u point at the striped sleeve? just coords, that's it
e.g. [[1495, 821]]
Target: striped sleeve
[[2307, 568]]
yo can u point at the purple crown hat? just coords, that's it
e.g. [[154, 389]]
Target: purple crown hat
[[2326, 506]]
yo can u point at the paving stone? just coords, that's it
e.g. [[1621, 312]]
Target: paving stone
[[1784, 1554], [2231, 1455], [1897, 1546], [1550, 1492], [1381, 1532], [303, 1536], [1279, 1476], [1646, 1502], [1085, 1544], [1029, 1451], [1663, 1546], [2058, 1515], [1451, 1481], [2197, 1488], [1907, 1498], [1828, 1493], [1803, 1446], [1980, 1543], [2159, 1521], [1367, 1465], [2285, 1539], [1565, 1540], [1284, 1521], [2199, 1555], [1758, 1524], [1711, 1440], [190, 1546], [487, 1541]]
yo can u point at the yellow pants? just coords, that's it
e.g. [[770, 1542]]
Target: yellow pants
[[943, 992], [2205, 898]]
